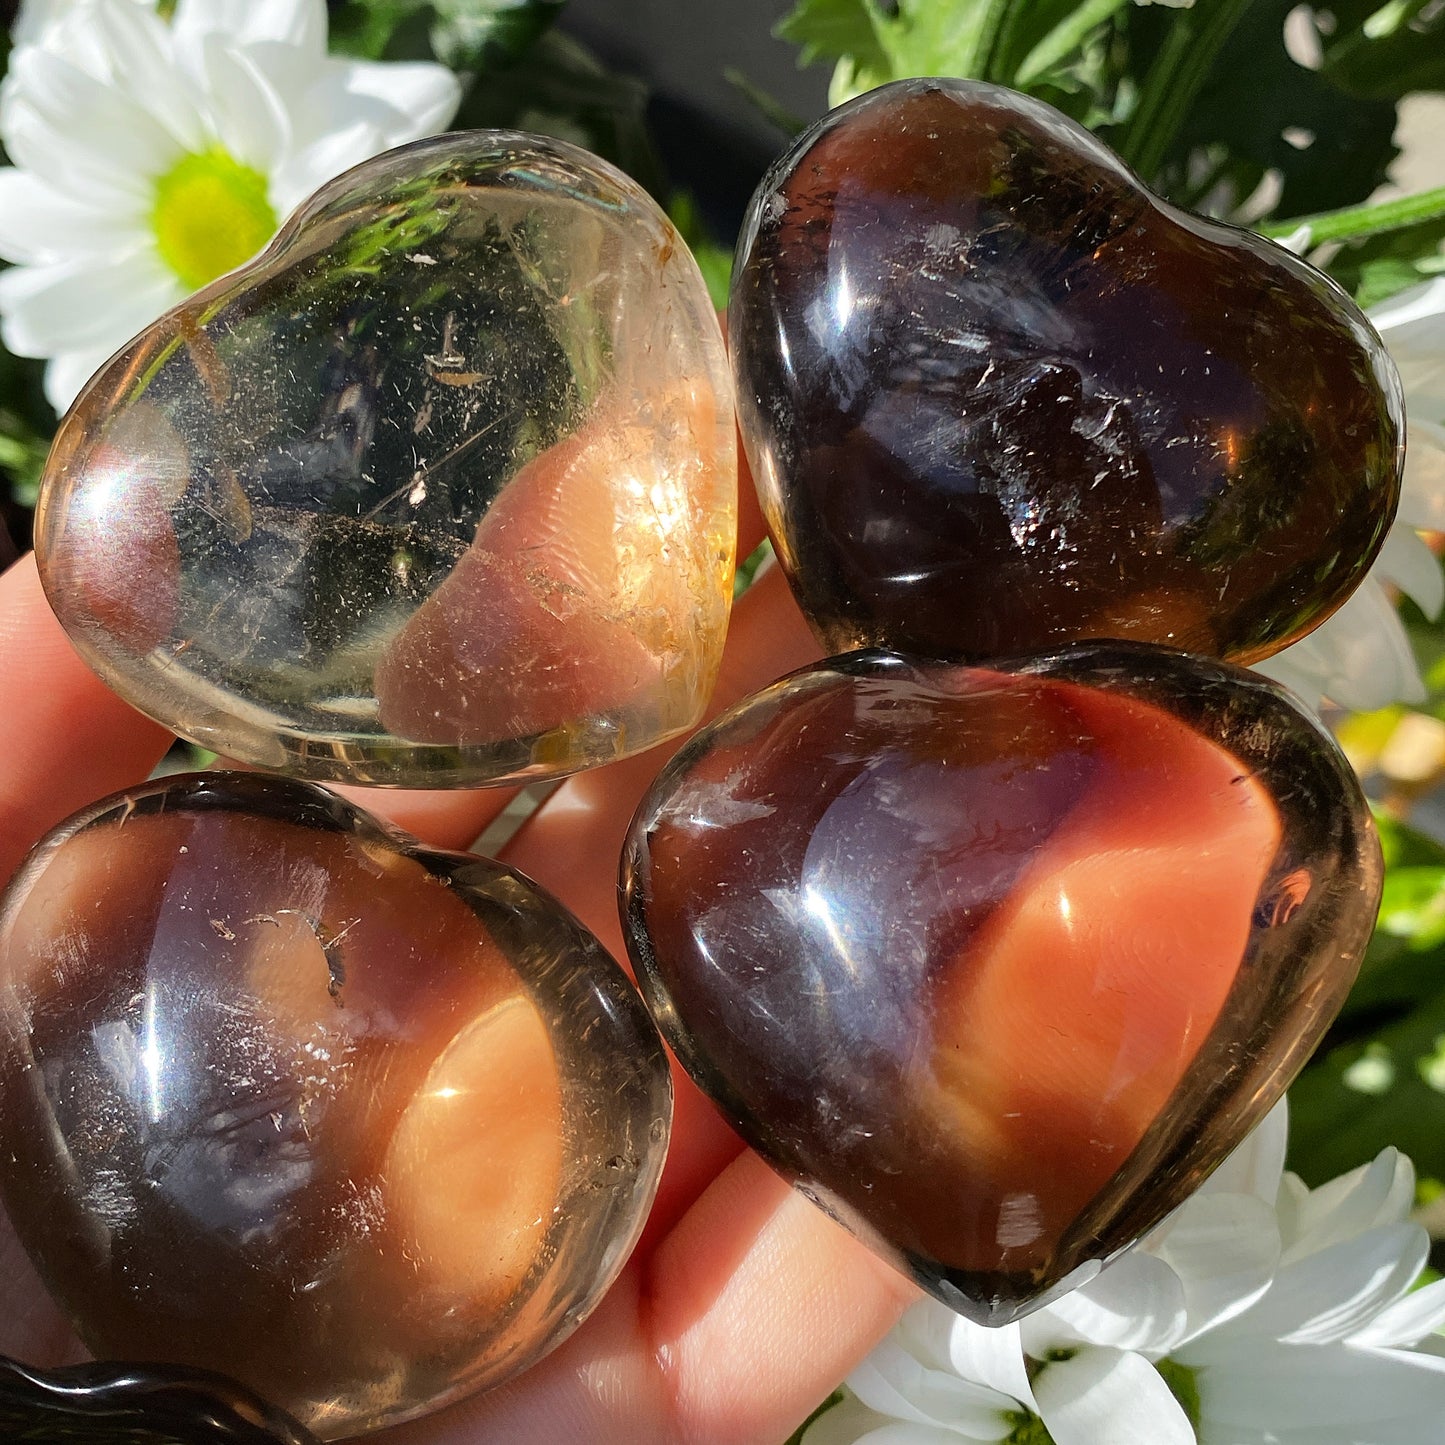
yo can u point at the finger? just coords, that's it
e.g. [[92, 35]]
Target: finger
[[450, 818], [740, 1324], [65, 738]]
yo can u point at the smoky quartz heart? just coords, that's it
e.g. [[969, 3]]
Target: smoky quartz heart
[[998, 963], [999, 397], [288, 1097]]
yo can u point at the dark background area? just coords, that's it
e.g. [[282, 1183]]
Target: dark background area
[[714, 141]]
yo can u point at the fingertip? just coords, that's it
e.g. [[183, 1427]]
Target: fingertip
[[65, 738]]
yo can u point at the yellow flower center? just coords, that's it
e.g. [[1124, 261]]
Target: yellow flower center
[[211, 214]]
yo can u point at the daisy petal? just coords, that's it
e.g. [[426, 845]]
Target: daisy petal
[[141, 63], [1411, 566], [1422, 500], [891, 1381], [248, 116], [993, 1357], [1407, 1321], [1137, 1302], [1331, 1294], [1109, 1395], [1402, 318], [67, 374], [408, 101], [1225, 1250], [1289, 1388], [1256, 1165], [49, 309], [81, 125], [924, 1332], [1360, 657], [850, 1422], [1380, 1192], [39, 224], [1298, 241], [323, 161], [300, 23], [862, 1426]]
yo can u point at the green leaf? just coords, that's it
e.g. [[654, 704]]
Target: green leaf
[[485, 34], [1064, 39], [1380, 1077], [874, 43], [1382, 52], [832, 29], [366, 27], [472, 35], [1386, 1089], [945, 37]]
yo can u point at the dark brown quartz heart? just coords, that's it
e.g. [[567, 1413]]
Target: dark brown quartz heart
[[287, 1097], [997, 964], [998, 397], [115, 1404]]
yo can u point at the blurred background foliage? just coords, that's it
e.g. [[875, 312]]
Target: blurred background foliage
[[1256, 111]]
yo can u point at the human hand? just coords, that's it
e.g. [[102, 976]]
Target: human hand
[[742, 1305]]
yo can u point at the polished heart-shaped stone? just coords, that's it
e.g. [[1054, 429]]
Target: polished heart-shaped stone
[[440, 490], [997, 964], [998, 397], [285, 1096]]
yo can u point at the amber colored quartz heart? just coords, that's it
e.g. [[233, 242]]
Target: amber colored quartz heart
[[440, 490], [997, 964], [998, 397], [288, 1097]]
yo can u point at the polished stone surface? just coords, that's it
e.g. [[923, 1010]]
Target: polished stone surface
[[118, 1404], [284, 1096], [438, 491], [998, 397], [997, 964]]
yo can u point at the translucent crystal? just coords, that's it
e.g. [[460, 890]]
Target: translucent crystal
[[438, 491], [999, 397], [286, 1097], [997, 964]]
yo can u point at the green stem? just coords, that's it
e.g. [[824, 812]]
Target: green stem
[[1065, 38], [1175, 79], [1353, 223], [1383, 23]]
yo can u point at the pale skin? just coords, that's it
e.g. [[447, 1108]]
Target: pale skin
[[742, 1306]]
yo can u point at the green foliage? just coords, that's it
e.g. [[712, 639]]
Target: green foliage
[[1380, 1078], [1050, 47], [468, 35], [1207, 102], [26, 423], [558, 88]]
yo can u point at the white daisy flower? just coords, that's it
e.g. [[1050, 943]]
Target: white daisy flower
[[37, 16], [151, 158], [1260, 1313], [1360, 658]]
